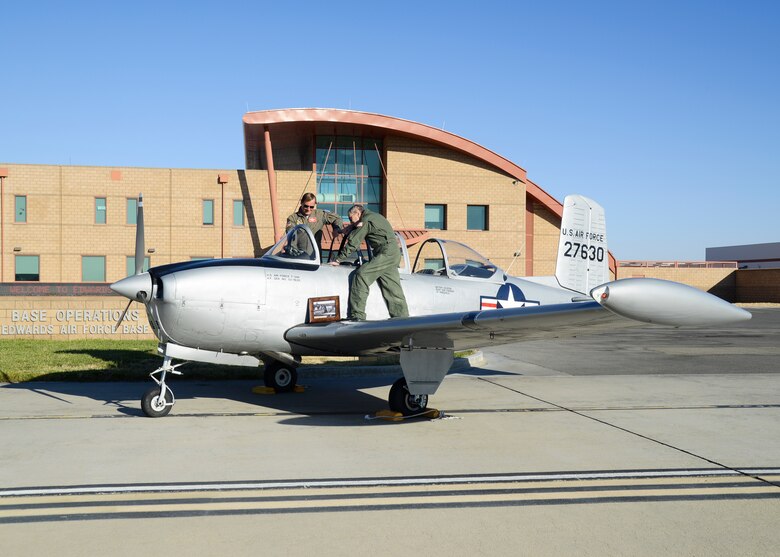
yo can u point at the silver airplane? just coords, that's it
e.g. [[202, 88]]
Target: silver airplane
[[289, 303]]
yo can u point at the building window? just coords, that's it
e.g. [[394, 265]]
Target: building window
[[476, 217], [131, 265], [132, 210], [20, 214], [349, 171], [434, 264], [436, 217], [208, 211], [27, 268], [238, 212], [93, 268], [100, 210]]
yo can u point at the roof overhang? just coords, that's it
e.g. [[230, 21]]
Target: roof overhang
[[385, 124], [255, 124]]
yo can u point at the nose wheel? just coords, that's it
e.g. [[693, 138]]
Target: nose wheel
[[156, 405], [401, 400], [158, 401]]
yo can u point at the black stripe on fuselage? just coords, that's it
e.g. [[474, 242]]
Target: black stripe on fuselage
[[163, 270]]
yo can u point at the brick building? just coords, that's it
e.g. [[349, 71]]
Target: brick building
[[74, 224], [71, 229]]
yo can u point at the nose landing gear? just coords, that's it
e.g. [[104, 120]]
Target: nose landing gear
[[158, 401]]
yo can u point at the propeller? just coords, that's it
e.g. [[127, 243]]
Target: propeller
[[132, 287], [139, 236]]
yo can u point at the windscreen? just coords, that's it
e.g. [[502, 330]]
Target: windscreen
[[463, 261], [297, 245]]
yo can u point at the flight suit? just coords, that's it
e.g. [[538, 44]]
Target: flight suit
[[315, 221], [383, 268]]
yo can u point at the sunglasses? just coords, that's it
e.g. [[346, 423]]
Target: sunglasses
[[308, 206]]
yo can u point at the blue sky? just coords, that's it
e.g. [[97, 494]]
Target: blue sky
[[667, 113]]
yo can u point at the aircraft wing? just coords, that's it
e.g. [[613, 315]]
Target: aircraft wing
[[460, 330]]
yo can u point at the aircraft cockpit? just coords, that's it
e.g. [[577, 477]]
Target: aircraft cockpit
[[297, 246], [455, 260]]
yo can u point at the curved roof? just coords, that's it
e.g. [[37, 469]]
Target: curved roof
[[406, 128]]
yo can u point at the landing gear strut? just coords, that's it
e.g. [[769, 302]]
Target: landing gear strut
[[158, 401], [400, 400]]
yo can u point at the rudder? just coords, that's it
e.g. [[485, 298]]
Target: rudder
[[583, 260]]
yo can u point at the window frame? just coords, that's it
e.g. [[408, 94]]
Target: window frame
[[38, 265], [485, 217], [349, 170], [243, 213], [131, 270], [203, 212], [16, 209], [131, 217], [443, 216], [105, 210], [103, 257]]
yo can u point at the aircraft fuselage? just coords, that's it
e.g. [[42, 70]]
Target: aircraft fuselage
[[245, 306]]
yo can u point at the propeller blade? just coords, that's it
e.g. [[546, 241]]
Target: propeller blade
[[139, 236], [122, 317]]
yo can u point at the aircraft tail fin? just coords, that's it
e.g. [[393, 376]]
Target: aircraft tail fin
[[583, 260]]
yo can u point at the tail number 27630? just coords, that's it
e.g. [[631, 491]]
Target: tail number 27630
[[575, 249]]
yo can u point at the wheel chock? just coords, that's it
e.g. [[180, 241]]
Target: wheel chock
[[263, 390], [389, 416], [432, 414]]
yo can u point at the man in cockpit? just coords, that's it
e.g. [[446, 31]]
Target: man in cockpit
[[315, 219], [312, 217]]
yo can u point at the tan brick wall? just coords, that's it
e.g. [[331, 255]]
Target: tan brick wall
[[720, 282], [547, 230], [758, 285], [71, 317], [419, 173], [61, 227], [61, 209]]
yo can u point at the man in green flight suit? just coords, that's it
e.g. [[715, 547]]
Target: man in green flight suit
[[312, 217], [383, 267]]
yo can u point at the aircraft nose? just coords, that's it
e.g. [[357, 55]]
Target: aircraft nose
[[135, 287]]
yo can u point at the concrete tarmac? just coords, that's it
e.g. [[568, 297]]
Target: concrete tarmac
[[644, 442]]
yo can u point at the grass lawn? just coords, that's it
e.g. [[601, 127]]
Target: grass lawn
[[127, 360], [96, 360]]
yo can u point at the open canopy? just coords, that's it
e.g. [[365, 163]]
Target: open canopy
[[297, 246]]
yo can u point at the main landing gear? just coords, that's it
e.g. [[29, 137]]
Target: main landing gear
[[280, 376], [401, 400], [280, 371], [158, 401]]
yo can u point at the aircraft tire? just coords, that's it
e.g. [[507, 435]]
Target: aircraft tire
[[279, 377], [407, 404], [153, 406]]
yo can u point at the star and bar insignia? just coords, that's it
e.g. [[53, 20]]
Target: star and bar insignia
[[508, 296]]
